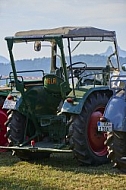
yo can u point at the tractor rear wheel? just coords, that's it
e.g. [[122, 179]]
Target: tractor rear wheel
[[16, 125], [87, 143], [116, 144]]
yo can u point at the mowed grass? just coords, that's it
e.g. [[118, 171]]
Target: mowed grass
[[59, 172]]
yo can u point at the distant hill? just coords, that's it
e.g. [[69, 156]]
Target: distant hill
[[5, 69], [3, 60], [122, 53], [44, 63]]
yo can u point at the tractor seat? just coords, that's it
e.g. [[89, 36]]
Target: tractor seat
[[52, 83]]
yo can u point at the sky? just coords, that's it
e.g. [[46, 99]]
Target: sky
[[17, 15]]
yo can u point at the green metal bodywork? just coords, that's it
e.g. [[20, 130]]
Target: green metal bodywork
[[5, 89], [81, 96]]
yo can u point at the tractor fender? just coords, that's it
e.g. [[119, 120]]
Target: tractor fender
[[81, 96], [12, 101], [115, 112], [12, 104]]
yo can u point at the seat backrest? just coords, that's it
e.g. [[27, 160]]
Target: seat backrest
[[52, 83]]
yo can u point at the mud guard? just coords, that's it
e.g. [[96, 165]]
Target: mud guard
[[115, 112], [75, 106]]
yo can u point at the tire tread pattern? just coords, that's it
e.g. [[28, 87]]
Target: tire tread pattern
[[116, 143], [79, 128]]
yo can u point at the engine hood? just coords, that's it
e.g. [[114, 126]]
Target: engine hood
[[115, 112]]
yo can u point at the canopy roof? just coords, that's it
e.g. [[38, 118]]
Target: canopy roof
[[70, 32]]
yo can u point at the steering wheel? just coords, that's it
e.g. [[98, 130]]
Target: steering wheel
[[78, 68]]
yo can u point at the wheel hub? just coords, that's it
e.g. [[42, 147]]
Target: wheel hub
[[96, 140]]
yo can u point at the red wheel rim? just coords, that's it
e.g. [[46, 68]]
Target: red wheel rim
[[3, 129], [96, 139]]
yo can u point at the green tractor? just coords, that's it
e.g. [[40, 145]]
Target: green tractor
[[58, 111]]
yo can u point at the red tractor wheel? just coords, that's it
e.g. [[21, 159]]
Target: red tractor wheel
[[87, 143], [3, 129], [96, 140]]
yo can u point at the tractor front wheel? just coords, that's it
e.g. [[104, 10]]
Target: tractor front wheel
[[116, 144]]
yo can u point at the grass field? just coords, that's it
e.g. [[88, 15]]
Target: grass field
[[59, 172]]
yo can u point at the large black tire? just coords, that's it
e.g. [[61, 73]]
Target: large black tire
[[87, 143], [16, 125], [116, 144]]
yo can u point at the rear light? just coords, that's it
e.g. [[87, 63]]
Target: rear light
[[103, 119], [70, 100], [10, 97], [32, 143]]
